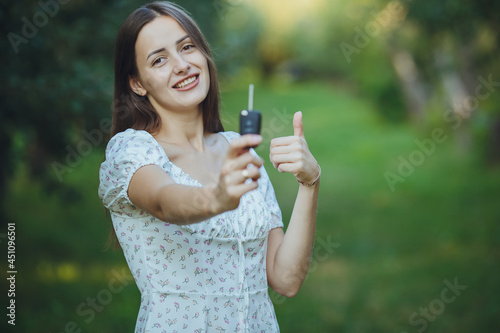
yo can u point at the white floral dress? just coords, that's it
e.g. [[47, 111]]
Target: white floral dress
[[204, 277]]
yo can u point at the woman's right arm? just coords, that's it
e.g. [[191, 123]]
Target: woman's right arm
[[154, 191]]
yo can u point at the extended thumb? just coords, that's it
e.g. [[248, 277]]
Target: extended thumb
[[298, 128]]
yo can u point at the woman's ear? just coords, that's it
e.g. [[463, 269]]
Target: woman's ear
[[136, 86]]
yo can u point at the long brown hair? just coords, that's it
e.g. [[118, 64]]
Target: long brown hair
[[133, 111]]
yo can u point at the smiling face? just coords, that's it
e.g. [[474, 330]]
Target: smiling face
[[173, 72]]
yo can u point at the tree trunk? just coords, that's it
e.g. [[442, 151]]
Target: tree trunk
[[413, 88], [456, 95]]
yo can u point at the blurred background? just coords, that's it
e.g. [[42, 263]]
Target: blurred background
[[401, 108]]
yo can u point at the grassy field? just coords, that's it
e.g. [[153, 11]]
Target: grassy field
[[386, 259]]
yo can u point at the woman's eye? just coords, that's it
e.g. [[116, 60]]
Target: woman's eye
[[188, 47], [158, 61]]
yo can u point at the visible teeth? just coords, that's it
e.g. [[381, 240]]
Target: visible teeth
[[186, 82]]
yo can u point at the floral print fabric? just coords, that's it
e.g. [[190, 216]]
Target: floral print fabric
[[204, 277]]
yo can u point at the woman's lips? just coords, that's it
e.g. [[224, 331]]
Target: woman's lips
[[189, 82]]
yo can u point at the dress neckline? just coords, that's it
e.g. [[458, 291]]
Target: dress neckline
[[198, 183]]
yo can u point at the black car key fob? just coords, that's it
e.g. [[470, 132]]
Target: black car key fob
[[250, 120]]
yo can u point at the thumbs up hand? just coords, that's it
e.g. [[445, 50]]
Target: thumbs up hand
[[291, 154], [298, 127]]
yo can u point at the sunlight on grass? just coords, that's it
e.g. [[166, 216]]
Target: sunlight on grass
[[395, 247], [54, 272]]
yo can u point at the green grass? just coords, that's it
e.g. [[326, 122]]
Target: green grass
[[394, 248]]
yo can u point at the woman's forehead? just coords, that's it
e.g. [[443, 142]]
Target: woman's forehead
[[162, 32]]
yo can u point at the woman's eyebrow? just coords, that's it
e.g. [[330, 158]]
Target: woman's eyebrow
[[163, 49], [181, 39], [155, 51]]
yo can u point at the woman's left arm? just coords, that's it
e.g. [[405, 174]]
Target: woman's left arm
[[289, 254]]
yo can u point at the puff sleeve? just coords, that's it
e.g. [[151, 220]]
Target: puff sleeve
[[126, 152]]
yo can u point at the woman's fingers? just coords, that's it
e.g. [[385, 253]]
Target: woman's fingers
[[237, 191], [291, 154], [240, 145], [294, 168], [240, 176], [286, 158], [239, 157], [240, 163], [282, 150], [286, 141]]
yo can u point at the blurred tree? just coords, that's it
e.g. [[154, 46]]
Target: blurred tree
[[417, 60], [57, 63], [57, 74], [458, 50]]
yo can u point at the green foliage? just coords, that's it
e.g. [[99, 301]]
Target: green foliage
[[59, 78], [393, 252], [395, 248]]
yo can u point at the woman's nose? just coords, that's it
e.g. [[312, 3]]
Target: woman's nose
[[181, 65]]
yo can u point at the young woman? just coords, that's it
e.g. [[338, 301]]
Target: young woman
[[192, 206]]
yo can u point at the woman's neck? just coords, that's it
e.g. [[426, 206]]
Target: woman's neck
[[182, 129]]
